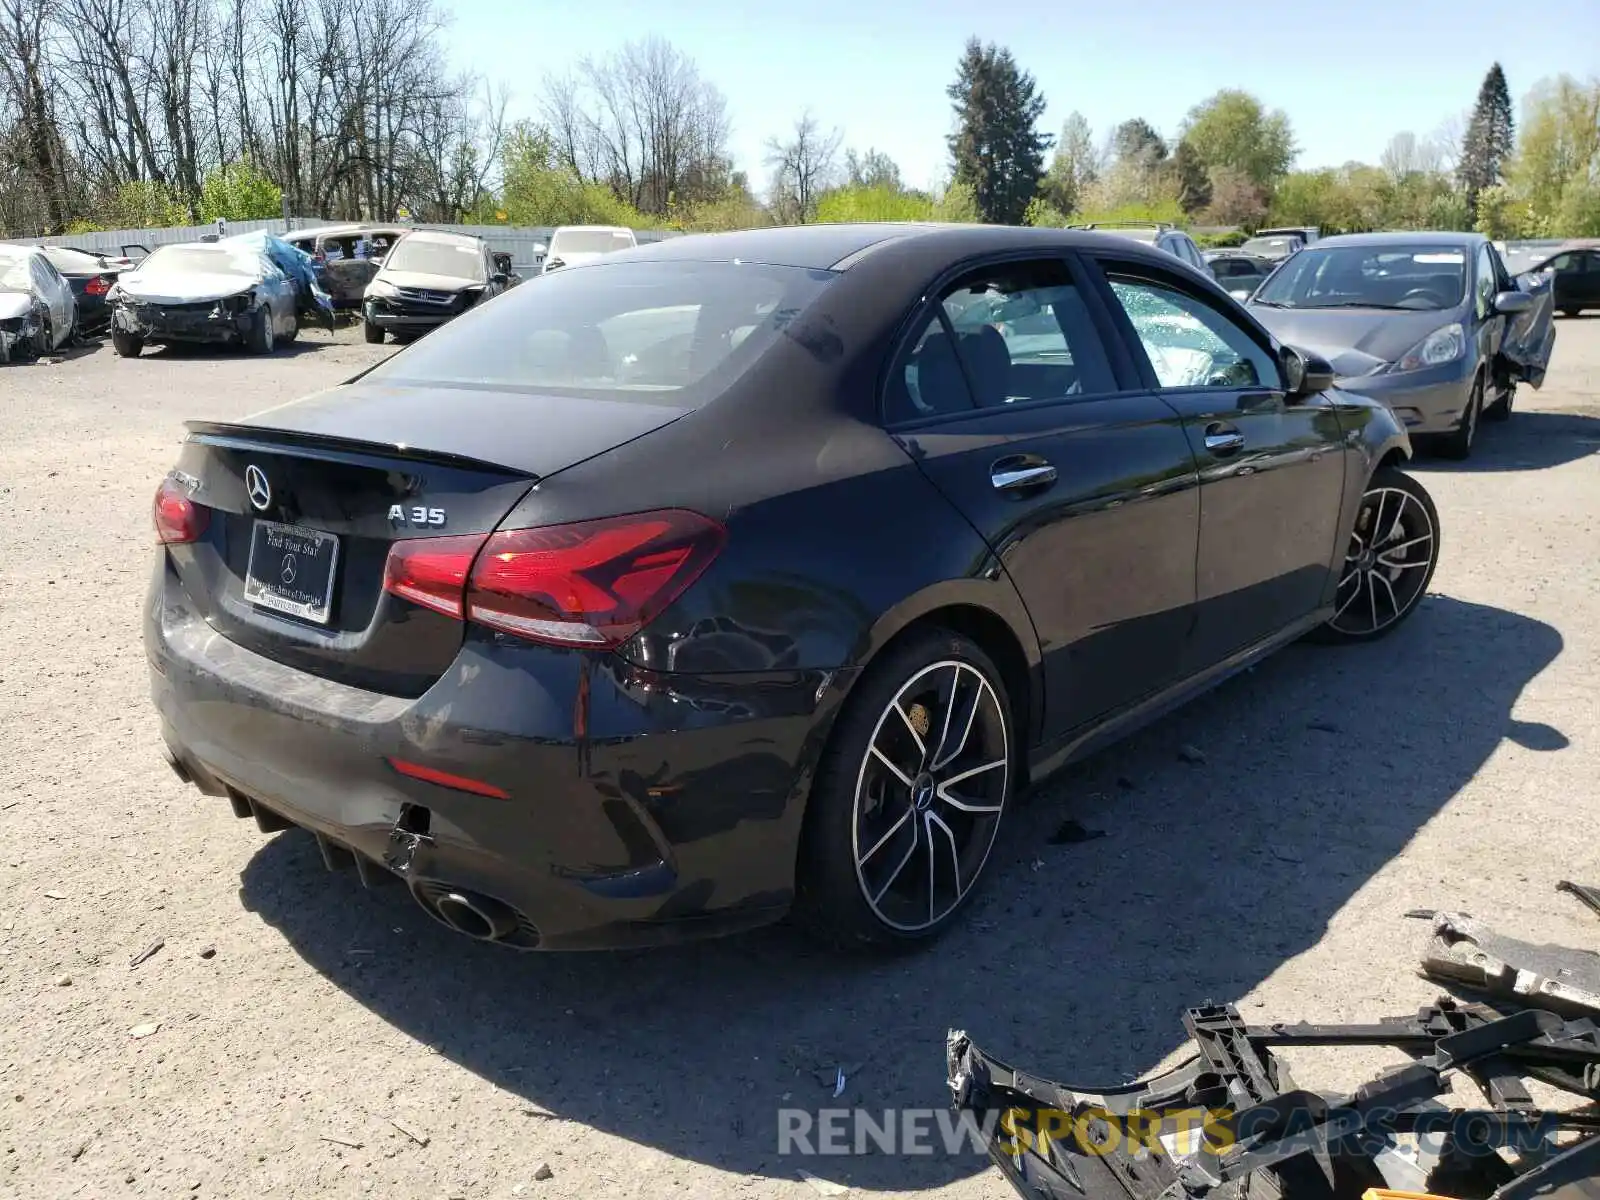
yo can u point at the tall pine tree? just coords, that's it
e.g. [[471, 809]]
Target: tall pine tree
[[997, 147], [1489, 140]]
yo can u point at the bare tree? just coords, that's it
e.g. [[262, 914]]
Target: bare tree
[[1407, 155], [803, 165], [644, 123]]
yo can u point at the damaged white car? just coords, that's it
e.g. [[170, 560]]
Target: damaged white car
[[38, 313], [220, 292]]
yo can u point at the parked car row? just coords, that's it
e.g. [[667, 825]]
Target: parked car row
[[1432, 324]]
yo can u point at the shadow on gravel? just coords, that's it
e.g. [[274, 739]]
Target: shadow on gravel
[[1077, 960], [1529, 441], [310, 340]]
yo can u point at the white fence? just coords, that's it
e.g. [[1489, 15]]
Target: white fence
[[520, 241]]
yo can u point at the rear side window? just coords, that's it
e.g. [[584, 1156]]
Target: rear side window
[[680, 329], [1015, 333]]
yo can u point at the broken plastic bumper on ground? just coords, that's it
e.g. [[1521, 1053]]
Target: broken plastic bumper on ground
[[226, 320], [1229, 1122]]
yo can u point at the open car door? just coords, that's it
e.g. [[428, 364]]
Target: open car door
[[1530, 336]]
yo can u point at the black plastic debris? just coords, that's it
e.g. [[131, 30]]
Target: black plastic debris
[[1229, 1121]]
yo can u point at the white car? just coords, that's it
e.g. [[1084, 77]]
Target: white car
[[38, 312], [574, 244]]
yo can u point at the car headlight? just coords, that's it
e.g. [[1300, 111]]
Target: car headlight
[[380, 287], [1439, 347]]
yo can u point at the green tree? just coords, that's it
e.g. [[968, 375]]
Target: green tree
[[1232, 130], [1136, 140], [958, 203], [538, 189], [1559, 151], [1073, 168], [1189, 173], [872, 169], [238, 191], [1490, 137], [997, 148], [879, 203]]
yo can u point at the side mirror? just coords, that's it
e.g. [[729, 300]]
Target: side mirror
[[1305, 373], [499, 278], [539, 248], [1511, 303]]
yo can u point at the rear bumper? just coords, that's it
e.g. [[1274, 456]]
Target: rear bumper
[[674, 814], [1425, 402]]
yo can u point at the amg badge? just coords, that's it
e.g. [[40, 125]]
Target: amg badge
[[399, 514]]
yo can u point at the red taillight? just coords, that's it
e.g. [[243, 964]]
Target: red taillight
[[432, 572], [98, 286], [178, 519], [461, 783], [591, 583]]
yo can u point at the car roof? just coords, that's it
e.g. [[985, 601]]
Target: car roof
[[1430, 237], [295, 235], [840, 247], [592, 229], [13, 250]]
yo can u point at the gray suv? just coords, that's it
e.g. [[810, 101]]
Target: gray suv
[[1159, 234]]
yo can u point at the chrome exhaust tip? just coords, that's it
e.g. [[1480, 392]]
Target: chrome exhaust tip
[[479, 917]]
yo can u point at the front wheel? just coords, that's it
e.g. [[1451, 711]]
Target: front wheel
[[1394, 548], [1458, 445], [260, 339], [373, 333], [909, 796], [1500, 410], [127, 345]]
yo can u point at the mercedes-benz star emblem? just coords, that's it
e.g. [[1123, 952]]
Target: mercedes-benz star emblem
[[288, 572], [255, 483]]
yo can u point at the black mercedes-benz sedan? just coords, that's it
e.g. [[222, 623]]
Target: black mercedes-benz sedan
[[750, 573]]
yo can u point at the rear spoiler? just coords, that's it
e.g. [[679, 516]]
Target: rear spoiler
[[238, 436]]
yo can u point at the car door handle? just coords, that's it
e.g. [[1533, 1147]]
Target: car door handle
[[1223, 439], [1020, 474]]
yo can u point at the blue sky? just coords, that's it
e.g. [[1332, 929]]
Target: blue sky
[[1349, 74]]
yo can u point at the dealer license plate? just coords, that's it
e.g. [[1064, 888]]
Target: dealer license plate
[[291, 570]]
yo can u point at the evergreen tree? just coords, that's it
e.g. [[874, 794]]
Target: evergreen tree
[[1489, 140], [997, 148], [1194, 185], [1136, 141]]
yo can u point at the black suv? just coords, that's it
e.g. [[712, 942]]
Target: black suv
[[1160, 234]]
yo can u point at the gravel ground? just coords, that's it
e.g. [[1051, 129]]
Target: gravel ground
[[311, 1039]]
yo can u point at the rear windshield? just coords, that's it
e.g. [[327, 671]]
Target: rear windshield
[[204, 260], [618, 327], [1280, 247], [591, 241], [459, 260]]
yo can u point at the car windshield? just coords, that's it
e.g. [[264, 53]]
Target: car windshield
[[1391, 276], [203, 260], [14, 275], [686, 328], [591, 241], [1271, 247], [1238, 268], [456, 260]]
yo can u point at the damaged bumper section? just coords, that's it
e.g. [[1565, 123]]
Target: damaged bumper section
[[1229, 1122], [554, 823], [226, 320], [18, 336]]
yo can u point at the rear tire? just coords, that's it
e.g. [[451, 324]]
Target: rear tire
[[1392, 554], [891, 852], [127, 345], [373, 333], [294, 331], [1458, 445], [1571, 312]]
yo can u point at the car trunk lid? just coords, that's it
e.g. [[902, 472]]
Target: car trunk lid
[[305, 502]]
